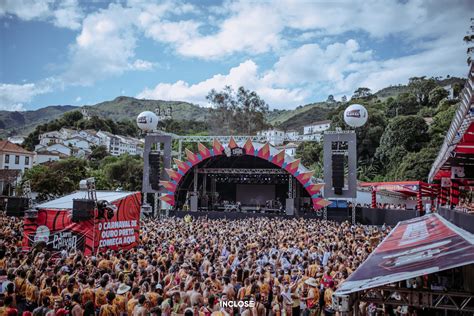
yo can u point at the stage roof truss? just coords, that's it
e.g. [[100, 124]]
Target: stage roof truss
[[459, 138], [241, 171], [418, 298]]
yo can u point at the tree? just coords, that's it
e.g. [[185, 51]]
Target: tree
[[362, 93], [125, 172], [241, 111], [344, 99], [56, 178], [310, 153], [421, 88], [330, 99], [436, 95], [71, 118], [416, 165], [403, 104], [403, 134], [469, 39], [98, 152]]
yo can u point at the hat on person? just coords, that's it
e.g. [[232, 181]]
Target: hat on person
[[158, 286], [311, 282], [123, 288]]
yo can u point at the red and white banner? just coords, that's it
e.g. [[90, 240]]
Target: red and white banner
[[414, 248], [55, 227]]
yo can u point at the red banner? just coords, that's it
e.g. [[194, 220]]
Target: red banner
[[414, 248], [58, 231]]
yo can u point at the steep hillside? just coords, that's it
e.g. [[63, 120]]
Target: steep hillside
[[279, 117], [128, 108], [309, 116], [21, 123]]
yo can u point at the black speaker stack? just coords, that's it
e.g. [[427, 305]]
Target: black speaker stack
[[16, 206], [154, 161], [338, 173], [82, 210]]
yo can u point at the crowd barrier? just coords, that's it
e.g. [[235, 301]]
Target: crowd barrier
[[380, 216], [460, 219]]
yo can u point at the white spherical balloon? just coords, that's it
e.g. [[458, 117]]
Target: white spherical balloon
[[147, 121], [355, 115]]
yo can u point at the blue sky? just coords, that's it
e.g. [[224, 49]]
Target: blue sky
[[290, 52]]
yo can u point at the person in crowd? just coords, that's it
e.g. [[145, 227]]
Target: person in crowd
[[284, 266]]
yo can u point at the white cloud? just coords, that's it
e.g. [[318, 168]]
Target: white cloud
[[246, 74], [78, 99], [140, 64], [62, 13], [13, 96], [105, 46]]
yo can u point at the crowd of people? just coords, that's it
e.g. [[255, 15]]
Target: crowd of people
[[189, 267], [465, 205]]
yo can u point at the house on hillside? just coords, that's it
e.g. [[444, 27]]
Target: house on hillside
[[47, 156], [58, 148], [117, 145], [68, 133], [292, 134], [50, 138], [91, 136], [290, 149], [274, 136], [14, 161], [79, 142], [316, 127]]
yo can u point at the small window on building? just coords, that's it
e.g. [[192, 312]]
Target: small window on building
[[27, 160], [6, 167], [17, 160], [7, 158]]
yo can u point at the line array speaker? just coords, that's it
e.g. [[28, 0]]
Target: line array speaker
[[16, 206], [338, 172], [154, 161], [82, 210]]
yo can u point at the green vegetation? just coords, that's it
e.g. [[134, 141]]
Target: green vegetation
[[403, 134], [62, 177]]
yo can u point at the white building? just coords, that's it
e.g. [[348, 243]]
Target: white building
[[291, 134], [68, 133], [450, 89], [78, 142], [58, 148], [49, 138], [14, 161], [117, 145], [290, 149], [46, 156], [15, 157], [91, 136], [316, 127], [275, 137]]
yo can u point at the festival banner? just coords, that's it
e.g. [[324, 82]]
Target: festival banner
[[415, 247], [58, 232]]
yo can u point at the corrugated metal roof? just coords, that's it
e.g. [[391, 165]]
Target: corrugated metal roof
[[65, 202]]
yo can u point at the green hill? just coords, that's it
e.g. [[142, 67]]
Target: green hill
[[22, 123], [128, 108]]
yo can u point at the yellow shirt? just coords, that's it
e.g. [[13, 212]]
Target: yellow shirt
[[100, 297], [31, 293], [20, 286], [119, 303], [131, 305]]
